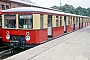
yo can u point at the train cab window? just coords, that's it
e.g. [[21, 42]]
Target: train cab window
[[25, 21], [10, 21], [56, 20], [0, 21], [60, 20], [41, 21]]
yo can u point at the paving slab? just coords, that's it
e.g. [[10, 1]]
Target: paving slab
[[73, 46]]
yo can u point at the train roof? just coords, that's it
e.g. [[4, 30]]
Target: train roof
[[35, 9]]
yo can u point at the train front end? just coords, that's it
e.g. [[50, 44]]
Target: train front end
[[23, 28]]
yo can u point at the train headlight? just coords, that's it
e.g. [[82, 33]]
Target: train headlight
[[27, 38], [7, 37]]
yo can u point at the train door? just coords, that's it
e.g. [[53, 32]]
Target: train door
[[49, 25], [64, 24]]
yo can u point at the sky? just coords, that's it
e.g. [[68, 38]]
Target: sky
[[75, 3]]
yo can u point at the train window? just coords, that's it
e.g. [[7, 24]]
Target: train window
[[0, 21], [25, 21], [41, 21], [49, 20], [56, 20], [60, 20], [7, 7], [10, 21], [3, 7], [77, 20], [68, 20], [71, 20], [82, 20]]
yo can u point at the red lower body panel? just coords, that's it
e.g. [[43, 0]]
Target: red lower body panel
[[69, 28], [86, 23], [76, 26], [0, 32], [57, 31], [80, 25], [83, 24], [36, 36]]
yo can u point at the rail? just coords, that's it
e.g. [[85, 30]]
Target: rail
[[6, 52], [3, 47]]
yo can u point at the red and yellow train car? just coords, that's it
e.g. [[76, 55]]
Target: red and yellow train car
[[30, 25]]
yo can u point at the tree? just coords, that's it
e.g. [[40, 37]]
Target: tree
[[88, 9], [70, 9]]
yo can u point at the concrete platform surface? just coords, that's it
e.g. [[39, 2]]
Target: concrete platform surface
[[74, 46]]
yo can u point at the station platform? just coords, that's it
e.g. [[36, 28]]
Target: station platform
[[73, 46]]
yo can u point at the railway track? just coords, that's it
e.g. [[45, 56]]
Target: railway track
[[6, 52], [9, 52]]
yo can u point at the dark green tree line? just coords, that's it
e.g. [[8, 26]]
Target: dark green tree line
[[70, 9]]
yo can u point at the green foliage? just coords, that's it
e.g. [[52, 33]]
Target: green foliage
[[70, 9]]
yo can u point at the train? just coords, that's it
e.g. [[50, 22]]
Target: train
[[23, 26]]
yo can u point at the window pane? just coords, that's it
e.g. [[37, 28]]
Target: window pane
[[60, 20], [0, 21], [56, 20], [25, 21], [41, 21], [10, 21], [7, 7], [3, 7], [76, 20], [68, 20], [49, 20]]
